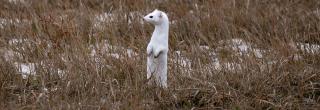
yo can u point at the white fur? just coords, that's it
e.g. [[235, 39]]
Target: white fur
[[157, 49]]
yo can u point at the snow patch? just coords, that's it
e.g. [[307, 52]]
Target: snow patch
[[309, 48], [110, 50], [108, 17], [4, 22], [182, 61], [104, 18], [25, 69], [17, 1], [244, 48]]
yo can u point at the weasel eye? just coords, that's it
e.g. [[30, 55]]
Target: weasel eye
[[150, 16]]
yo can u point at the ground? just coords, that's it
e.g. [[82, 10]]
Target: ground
[[91, 54]]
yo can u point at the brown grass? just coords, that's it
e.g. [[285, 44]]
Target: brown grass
[[60, 34]]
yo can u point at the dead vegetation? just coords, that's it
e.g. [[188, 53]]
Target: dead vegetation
[[224, 54]]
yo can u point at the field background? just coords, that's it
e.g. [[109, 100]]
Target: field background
[[224, 54]]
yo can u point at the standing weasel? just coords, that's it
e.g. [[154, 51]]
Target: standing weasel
[[157, 49]]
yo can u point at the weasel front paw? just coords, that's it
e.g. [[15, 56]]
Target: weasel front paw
[[156, 55], [149, 51]]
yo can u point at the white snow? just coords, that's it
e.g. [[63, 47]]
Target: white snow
[[115, 55], [109, 17], [5, 21], [243, 48], [17, 1], [26, 69], [104, 48], [103, 18], [181, 61], [131, 53], [309, 48]]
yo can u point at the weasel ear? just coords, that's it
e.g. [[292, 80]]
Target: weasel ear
[[160, 15]]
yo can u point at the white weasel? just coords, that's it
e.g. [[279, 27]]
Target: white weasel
[[157, 49]]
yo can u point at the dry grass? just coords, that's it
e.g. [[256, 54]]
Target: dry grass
[[59, 36]]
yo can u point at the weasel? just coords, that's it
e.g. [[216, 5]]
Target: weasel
[[157, 49]]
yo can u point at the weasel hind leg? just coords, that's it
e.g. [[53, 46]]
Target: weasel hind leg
[[161, 69], [150, 66]]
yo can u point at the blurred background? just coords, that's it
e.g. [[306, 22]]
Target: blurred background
[[224, 54]]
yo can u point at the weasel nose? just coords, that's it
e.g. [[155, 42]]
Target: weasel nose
[[145, 18]]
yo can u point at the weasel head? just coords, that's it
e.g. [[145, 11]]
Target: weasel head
[[156, 17]]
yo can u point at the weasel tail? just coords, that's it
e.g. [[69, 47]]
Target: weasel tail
[[157, 49]]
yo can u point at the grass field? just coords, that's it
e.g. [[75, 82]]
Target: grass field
[[224, 54]]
